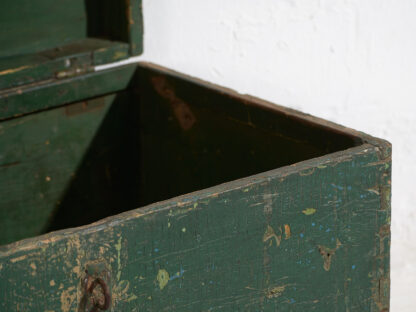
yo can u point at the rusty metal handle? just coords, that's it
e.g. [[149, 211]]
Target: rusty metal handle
[[107, 298]]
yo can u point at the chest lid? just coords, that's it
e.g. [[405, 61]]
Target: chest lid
[[50, 39]]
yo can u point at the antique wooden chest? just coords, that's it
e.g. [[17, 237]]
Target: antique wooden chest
[[140, 189]]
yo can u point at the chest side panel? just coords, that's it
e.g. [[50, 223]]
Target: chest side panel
[[309, 237]]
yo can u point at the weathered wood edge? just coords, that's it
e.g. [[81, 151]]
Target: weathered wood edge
[[36, 97], [246, 99], [39, 241], [135, 26], [72, 59], [56, 94], [381, 147]]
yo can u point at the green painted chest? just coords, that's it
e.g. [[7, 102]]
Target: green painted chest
[[140, 189]]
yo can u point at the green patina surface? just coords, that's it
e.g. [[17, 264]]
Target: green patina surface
[[301, 222], [232, 255]]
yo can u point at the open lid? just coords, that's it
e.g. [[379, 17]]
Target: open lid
[[53, 39]]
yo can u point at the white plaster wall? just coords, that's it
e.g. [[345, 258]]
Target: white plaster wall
[[350, 61]]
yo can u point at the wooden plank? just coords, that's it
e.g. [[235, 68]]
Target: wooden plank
[[73, 59], [38, 96], [314, 236], [135, 26]]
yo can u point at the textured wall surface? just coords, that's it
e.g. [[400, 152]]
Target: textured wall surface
[[350, 61]]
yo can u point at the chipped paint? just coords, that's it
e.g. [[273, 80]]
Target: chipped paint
[[374, 191], [269, 235], [119, 55], [14, 260], [33, 266], [77, 270], [131, 298], [162, 278], [121, 292], [68, 297], [328, 253], [287, 231], [309, 211], [118, 249], [51, 283], [275, 292], [180, 211], [14, 70], [307, 172]]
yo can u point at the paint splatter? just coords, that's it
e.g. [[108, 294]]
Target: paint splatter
[[287, 231], [162, 278], [309, 211], [178, 274]]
